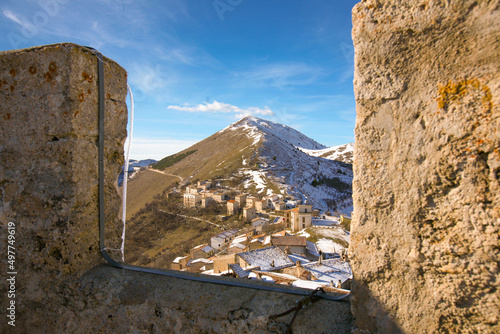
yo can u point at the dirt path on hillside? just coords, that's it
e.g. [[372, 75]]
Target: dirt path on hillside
[[165, 173]]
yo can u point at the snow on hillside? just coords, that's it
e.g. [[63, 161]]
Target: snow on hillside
[[342, 153], [133, 167], [141, 163], [258, 127]]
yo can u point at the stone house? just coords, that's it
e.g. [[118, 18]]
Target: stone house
[[191, 200], [250, 202], [206, 202], [259, 222], [193, 190], [291, 243], [300, 217], [261, 205], [222, 239], [273, 198], [221, 263], [232, 207], [205, 185], [220, 197], [249, 213], [236, 248], [256, 242], [241, 199], [180, 263], [199, 265], [279, 205], [202, 251], [209, 193]]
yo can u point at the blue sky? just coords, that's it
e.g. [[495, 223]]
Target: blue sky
[[197, 66]]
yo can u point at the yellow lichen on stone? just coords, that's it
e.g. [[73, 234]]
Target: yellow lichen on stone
[[456, 91]]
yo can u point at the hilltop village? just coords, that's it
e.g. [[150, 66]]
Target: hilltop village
[[272, 245]]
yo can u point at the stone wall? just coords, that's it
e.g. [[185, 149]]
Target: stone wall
[[49, 190], [425, 232], [49, 168]]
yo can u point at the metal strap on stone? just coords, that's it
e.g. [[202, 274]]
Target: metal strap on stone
[[309, 299], [175, 274]]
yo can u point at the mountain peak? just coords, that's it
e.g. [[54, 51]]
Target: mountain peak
[[261, 128]]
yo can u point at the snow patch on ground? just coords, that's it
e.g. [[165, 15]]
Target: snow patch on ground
[[327, 221], [327, 245], [257, 178], [332, 153]]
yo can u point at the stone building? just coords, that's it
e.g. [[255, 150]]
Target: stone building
[[300, 217], [191, 200], [249, 213], [232, 207]]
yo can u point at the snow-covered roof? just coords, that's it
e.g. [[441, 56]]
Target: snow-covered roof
[[308, 284], [240, 272], [208, 272], [297, 257], [265, 257], [238, 245], [278, 219], [201, 260], [240, 239], [226, 234], [178, 259], [330, 270], [312, 249]]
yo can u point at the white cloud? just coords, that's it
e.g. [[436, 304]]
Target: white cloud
[[220, 107], [23, 23]]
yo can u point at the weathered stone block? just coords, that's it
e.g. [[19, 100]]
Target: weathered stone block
[[48, 168], [425, 234]]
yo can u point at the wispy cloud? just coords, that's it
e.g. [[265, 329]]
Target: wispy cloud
[[220, 107], [149, 80], [17, 19], [282, 74]]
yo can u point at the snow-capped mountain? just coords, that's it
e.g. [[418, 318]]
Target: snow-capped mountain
[[270, 158], [343, 153], [259, 128], [133, 167], [141, 163]]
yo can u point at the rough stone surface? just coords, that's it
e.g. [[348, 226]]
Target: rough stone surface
[[48, 169], [121, 301], [49, 189], [425, 232]]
